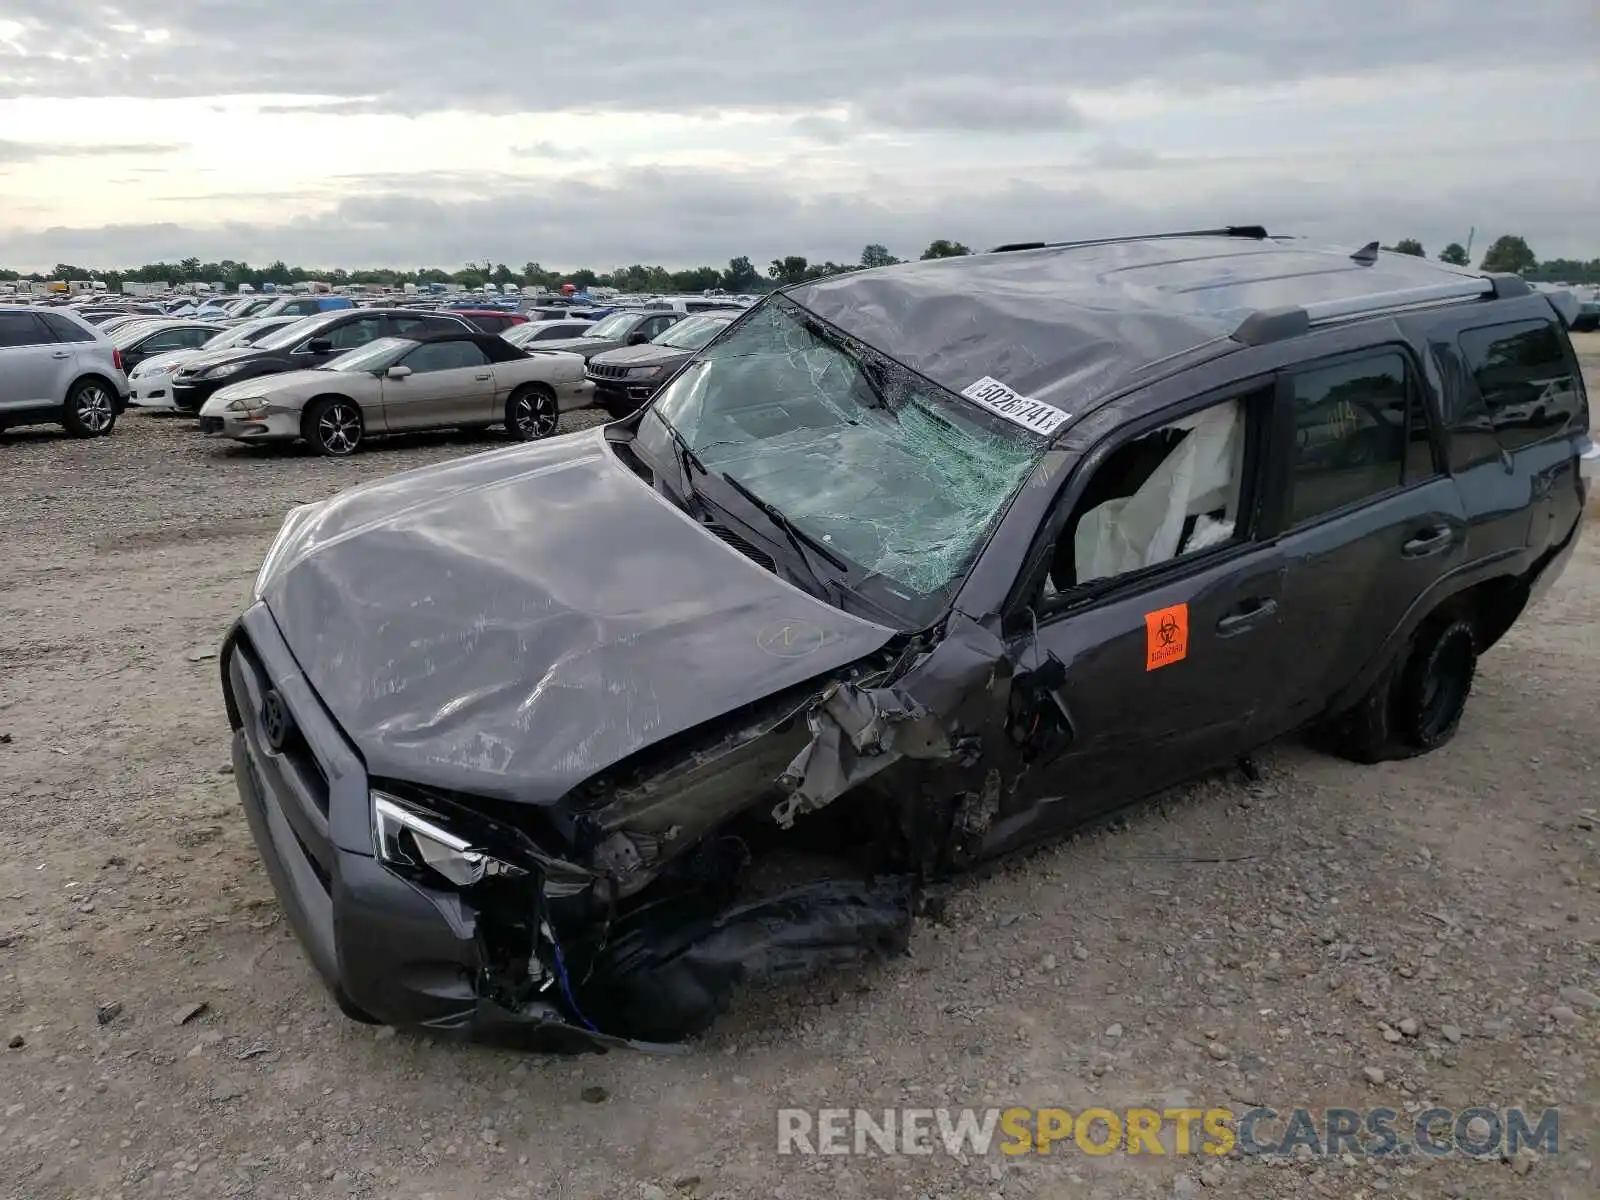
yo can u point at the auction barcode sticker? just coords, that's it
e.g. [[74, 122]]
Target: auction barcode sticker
[[1003, 401]]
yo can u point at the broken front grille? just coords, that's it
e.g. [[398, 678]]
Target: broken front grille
[[296, 765]]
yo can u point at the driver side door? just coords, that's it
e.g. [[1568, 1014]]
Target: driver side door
[[1159, 640], [451, 383]]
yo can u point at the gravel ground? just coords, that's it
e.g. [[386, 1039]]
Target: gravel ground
[[1421, 932]]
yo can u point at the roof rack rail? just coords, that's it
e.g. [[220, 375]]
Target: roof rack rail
[[1254, 232], [1276, 324]]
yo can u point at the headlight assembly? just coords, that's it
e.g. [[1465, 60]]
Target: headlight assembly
[[224, 370], [247, 405], [409, 837], [643, 372]]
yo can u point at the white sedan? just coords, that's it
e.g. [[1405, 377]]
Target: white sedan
[[399, 385]]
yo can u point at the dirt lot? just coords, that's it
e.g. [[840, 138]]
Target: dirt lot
[[1233, 943]]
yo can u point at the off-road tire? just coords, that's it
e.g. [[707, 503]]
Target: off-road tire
[[333, 426], [90, 410], [1415, 705]]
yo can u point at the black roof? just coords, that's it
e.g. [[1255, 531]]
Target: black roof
[[1070, 323], [492, 344]]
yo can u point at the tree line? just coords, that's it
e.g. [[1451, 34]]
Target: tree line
[[740, 276], [1511, 253], [1507, 253]]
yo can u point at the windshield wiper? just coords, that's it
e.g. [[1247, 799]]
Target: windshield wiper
[[797, 538], [686, 455]]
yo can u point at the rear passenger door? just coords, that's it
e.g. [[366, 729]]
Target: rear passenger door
[[31, 363], [74, 354], [1367, 516]]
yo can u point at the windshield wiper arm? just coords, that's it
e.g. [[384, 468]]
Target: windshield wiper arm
[[795, 534], [797, 539]]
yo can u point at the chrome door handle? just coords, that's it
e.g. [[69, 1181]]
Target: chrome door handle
[[483, 376]]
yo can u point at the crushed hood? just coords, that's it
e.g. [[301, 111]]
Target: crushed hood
[[512, 623]]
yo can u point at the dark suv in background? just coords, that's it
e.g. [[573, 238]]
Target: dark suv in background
[[307, 343], [626, 378]]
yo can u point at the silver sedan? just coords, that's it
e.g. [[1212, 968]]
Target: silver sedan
[[398, 385]]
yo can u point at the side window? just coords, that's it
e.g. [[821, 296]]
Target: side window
[[64, 330], [1359, 432], [174, 339], [356, 333], [22, 329], [1523, 376], [426, 326], [445, 356], [1168, 493]]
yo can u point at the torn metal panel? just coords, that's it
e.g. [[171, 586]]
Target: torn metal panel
[[857, 732]]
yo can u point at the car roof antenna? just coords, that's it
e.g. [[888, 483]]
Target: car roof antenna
[[1367, 255]]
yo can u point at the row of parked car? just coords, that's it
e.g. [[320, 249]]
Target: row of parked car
[[336, 377]]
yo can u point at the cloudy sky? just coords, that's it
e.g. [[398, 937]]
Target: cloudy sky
[[412, 132]]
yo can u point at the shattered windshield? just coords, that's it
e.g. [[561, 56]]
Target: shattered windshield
[[885, 469]]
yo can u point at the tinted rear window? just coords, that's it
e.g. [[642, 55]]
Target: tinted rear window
[[64, 330], [1357, 434], [1527, 383]]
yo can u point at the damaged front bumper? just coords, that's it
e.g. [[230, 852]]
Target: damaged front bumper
[[476, 956], [389, 949], [262, 422]]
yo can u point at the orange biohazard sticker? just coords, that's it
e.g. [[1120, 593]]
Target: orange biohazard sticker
[[1166, 636]]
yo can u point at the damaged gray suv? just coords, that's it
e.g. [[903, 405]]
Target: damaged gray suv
[[907, 569]]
